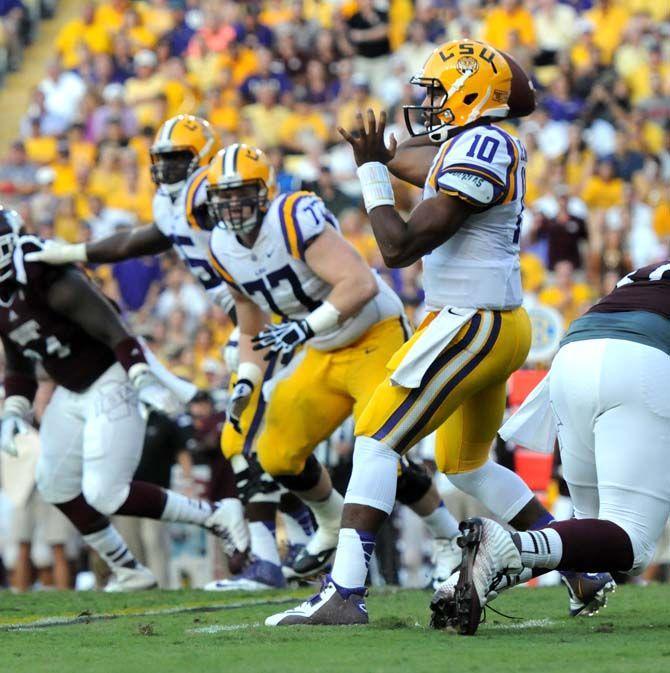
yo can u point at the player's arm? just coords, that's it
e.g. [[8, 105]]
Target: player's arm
[[334, 260], [73, 296], [20, 387], [250, 321], [431, 223], [146, 240], [413, 159]]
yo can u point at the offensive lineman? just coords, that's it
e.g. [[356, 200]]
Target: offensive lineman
[[284, 255], [92, 430], [451, 376], [607, 391]]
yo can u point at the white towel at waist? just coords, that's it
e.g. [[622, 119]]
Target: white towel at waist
[[433, 340], [532, 425]]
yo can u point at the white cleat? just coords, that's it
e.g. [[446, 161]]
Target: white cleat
[[488, 555], [138, 578], [228, 523], [446, 559]]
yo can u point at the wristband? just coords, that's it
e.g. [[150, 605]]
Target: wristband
[[251, 372], [323, 318], [77, 252], [129, 352], [375, 185]]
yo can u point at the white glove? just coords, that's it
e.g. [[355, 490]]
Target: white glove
[[59, 253], [238, 402], [13, 422], [152, 394]]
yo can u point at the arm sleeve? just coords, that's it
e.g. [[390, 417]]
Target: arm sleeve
[[303, 216], [20, 376], [478, 167]]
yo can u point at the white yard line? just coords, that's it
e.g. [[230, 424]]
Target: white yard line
[[69, 620], [525, 624], [218, 628]]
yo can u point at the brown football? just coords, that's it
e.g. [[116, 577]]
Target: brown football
[[522, 97]]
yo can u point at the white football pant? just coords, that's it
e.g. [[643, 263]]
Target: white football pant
[[91, 443], [612, 407]]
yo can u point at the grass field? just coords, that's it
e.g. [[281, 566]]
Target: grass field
[[193, 631]]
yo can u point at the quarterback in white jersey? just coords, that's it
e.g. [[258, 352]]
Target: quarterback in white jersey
[[284, 255], [450, 377]]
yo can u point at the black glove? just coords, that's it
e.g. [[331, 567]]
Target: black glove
[[283, 339]]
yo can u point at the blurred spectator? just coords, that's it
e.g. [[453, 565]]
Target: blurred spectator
[[414, 53], [268, 74], [570, 298], [63, 90], [266, 116], [251, 31], [303, 127], [369, 33], [18, 175], [510, 21], [603, 189], [86, 30], [564, 233]]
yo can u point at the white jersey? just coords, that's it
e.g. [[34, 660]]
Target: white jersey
[[275, 276], [182, 222], [478, 267]]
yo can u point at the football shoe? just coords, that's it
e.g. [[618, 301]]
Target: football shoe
[[588, 591], [446, 559], [124, 579], [257, 576], [332, 606]]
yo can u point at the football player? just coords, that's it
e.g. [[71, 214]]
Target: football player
[[92, 430], [607, 393], [283, 255], [183, 146], [451, 376]]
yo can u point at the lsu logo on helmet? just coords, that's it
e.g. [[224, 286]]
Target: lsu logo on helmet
[[182, 144], [465, 81]]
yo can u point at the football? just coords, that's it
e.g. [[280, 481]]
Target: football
[[522, 96]]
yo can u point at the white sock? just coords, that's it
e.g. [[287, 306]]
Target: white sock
[[441, 523], [111, 547], [502, 491], [263, 541], [328, 512], [354, 551], [374, 475], [180, 509], [294, 531], [539, 548]]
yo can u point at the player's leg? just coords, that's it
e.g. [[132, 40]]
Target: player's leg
[[394, 419], [305, 408], [113, 435], [299, 528], [614, 390]]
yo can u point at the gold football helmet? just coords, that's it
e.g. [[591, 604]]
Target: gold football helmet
[[465, 81], [182, 144], [240, 186]]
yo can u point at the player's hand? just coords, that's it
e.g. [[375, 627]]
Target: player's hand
[[12, 425], [283, 339], [368, 144], [152, 394], [238, 402], [59, 253]]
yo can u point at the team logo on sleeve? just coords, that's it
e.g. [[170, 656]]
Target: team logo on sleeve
[[467, 64]]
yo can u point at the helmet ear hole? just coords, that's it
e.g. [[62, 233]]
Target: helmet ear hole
[[470, 98]]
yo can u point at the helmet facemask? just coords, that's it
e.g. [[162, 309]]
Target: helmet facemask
[[171, 168], [238, 206], [432, 117]]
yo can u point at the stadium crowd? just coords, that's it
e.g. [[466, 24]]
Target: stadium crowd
[[284, 74]]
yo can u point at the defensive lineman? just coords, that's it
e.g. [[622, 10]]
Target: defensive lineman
[[607, 391], [92, 430]]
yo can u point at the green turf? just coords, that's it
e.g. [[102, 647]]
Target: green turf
[[632, 634]]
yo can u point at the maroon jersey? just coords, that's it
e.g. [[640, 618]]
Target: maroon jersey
[[646, 289], [70, 356]]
